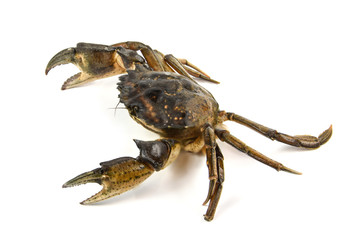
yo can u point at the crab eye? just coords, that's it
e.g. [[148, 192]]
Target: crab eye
[[134, 109]]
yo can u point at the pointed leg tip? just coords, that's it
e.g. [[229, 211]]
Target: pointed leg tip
[[295, 172], [205, 202], [214, 81], [329, 130], [326, 135], [289, 170]]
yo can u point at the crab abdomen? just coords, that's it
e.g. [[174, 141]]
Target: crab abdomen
[[167, 103]]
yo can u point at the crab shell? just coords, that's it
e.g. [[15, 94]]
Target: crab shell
[[169, 104]]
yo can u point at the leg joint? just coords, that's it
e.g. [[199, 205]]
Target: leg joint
[[157, 154]]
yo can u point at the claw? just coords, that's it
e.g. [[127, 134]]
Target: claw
[[116, 176], [94, 61], [63, 57]]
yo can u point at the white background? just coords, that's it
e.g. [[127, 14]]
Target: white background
[[290, 65]]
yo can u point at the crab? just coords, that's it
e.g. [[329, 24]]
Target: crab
[[161, 93]]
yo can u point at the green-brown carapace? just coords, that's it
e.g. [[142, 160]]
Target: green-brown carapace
[[161, 93]]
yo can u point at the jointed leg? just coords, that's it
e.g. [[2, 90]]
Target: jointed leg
[[195, 71], [151, 57], [176, 65], [164, 63], [305, 141], [160, 62], [215, 197], [215, 163], [225, 136]]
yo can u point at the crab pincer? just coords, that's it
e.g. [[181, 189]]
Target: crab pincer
[[116, 176], [124, 173], [95, 61]]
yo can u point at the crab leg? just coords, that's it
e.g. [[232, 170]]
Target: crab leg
[[164, 63], [305, 141], [195, 71], [215, 163], [160, 62], [151, 57], [185, 68], [215, 197], [125, 173], [225, 136], [175, 64], [199, 75]]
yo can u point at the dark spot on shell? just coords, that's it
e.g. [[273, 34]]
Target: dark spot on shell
[[153, 95]]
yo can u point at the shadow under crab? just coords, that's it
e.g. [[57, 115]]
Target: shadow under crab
[[161, 94]]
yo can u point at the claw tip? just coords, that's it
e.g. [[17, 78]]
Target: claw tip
[[47, 69]]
